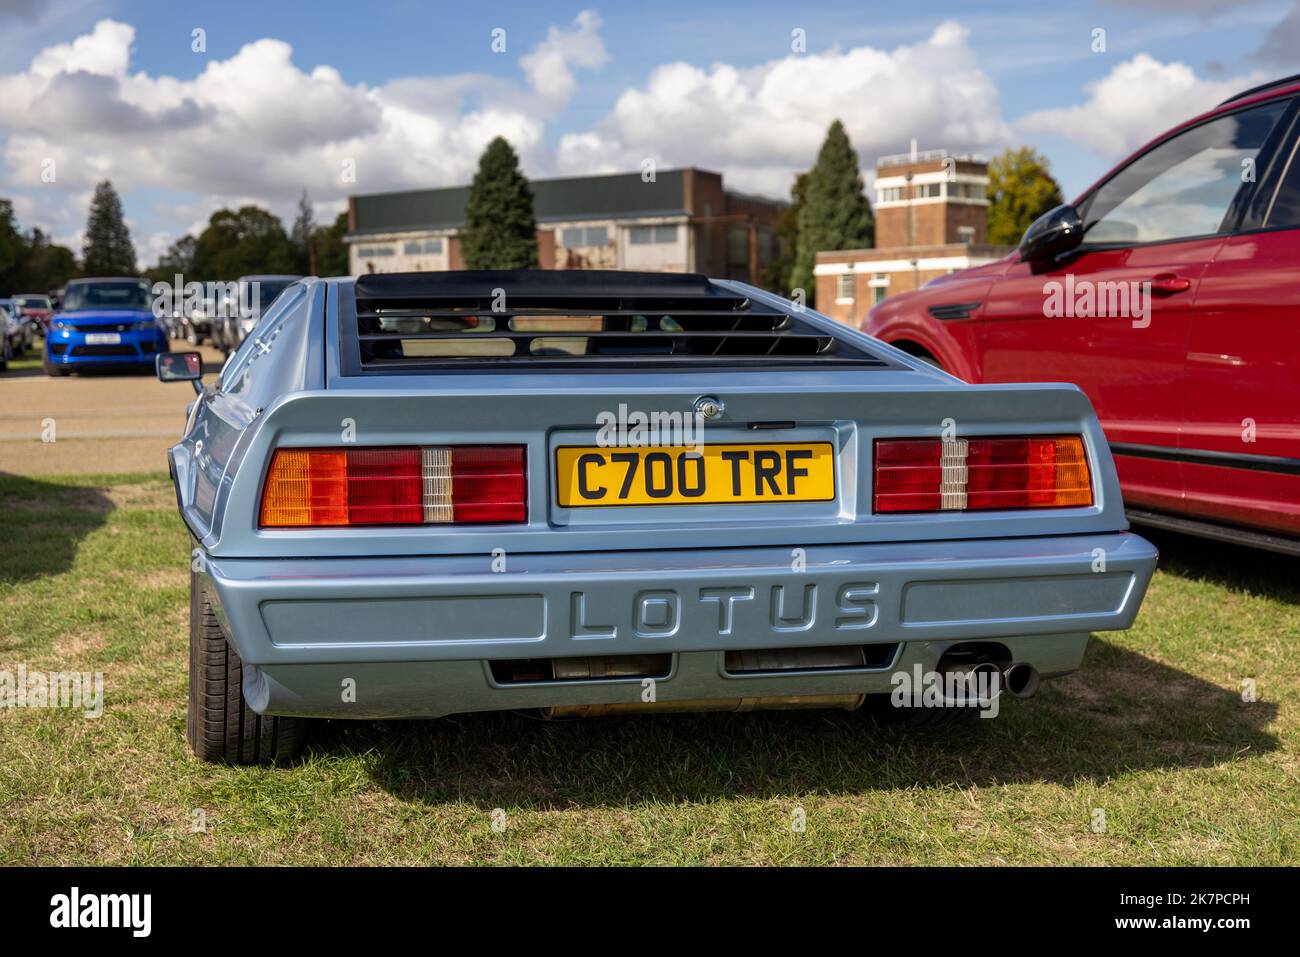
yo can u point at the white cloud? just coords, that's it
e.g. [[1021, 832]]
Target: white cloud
[[257, 128], [1139, 99], [105, 51], [549, 68], [763, 123]]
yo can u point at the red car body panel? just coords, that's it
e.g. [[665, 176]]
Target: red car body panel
[[1201, 405]]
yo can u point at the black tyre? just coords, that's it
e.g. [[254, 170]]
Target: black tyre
[[4, 353], [221, 727], [52, 368]]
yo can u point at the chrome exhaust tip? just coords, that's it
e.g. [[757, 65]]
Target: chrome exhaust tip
[[1021, 680]]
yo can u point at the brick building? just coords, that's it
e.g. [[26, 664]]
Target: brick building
[[932, 216], [682, 221]]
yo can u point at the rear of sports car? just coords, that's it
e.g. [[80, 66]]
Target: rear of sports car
[[590, 493]]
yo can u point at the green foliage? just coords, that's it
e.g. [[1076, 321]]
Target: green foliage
[[46, 265], [12, 248], [236, 244], [500, 231], [1021, 189], [30, 263], [178, 259], [303, 235], [331, 252], [779, 274], [107, 250], [834, 213]]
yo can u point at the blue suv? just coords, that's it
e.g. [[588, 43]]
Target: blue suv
[[104, 323]]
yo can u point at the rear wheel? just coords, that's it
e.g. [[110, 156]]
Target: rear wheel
[[4, 354], [221, 726]]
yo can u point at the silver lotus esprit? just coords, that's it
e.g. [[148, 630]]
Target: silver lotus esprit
[[592, 492]]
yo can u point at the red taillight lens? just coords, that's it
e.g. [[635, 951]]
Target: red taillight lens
[[908, 475], [923, 475], [487, 484], [308, 488], [384, 487]]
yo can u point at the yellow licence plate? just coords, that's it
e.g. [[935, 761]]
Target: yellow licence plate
[[704, 475]]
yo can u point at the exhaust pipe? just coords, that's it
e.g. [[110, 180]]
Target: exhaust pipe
[[1021, 680], [967, 682]]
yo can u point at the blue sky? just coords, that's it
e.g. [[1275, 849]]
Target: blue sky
[[410, 91]]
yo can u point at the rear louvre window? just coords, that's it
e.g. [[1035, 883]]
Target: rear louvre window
[[423, 321]]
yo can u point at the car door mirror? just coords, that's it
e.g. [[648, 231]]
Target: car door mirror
[[180, 367], [1057, 231]]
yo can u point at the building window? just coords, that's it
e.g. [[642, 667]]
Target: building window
[[652, 235], [965, 234], [737, 245], [577, 237], [879, 284], [929, 190], [416, 247], [374, 252], [891, 194], [844, 286]]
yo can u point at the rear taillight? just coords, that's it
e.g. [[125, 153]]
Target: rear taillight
[[457, 484], [931, 475]]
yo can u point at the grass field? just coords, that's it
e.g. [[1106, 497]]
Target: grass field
[[1153, 731]]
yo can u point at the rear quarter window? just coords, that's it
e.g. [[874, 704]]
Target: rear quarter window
[[238, 373]]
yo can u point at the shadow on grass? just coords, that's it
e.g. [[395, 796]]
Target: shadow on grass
[[42, 524], [1122, 713], [1236, 567]]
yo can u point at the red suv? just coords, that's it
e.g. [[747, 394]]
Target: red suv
[[1170, 293]]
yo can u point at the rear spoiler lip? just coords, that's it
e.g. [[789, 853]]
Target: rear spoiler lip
[[458, 412]]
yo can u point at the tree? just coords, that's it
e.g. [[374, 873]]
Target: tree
[[107, 250], [835, 213], [242, 243], [47, 265], [13, 250], [302, 234], [331, 251], [779, 273], [500, 231], [178, 259], [1021, 189]]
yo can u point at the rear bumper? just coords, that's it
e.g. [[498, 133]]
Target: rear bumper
[[422, 629]]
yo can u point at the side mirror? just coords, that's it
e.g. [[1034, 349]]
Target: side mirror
[[1056, 231], [180, 367]]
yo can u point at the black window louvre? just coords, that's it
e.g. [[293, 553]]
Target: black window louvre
[[442, 321]]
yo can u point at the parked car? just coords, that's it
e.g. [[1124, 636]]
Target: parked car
[[196, 321], [8, 328], [254, 296], [104, 323], [393, 518], [1195, 380], [36, 309], [17, 330]]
